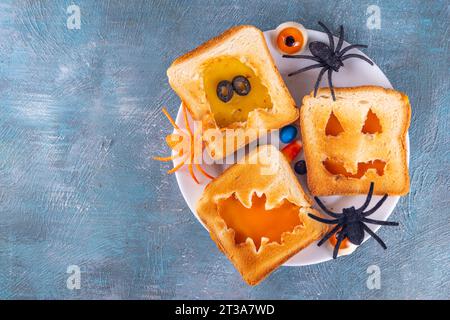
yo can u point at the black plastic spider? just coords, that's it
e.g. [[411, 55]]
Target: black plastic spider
[[329, 57], [350, 223]]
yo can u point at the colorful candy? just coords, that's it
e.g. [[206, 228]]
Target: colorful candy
[[290, 37], [292, 150], [288, 133], [300, 167]]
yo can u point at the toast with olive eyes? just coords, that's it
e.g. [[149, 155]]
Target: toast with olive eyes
[[239, 51], [358, 139], [257, 214]]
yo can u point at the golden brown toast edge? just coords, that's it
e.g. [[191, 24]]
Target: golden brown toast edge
[[254, 266], [316, 188], [291, 112]]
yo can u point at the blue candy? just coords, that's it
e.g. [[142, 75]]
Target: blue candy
[[288, 133]]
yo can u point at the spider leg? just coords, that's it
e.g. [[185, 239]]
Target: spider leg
[[368, 199], [330, 35], [178, 166], [352, 46], [328, 235], [340, 238], [172, 122], [186, 121], [206, 174], [375, 207], [166, 159], [341, 39], [326, 221], [330, 84], [313, 66], [375, 236], [325, 209], [355, 55], [316, 86], [191, 172], [379, 222], [301, 56]]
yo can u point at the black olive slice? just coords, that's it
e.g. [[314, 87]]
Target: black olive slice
[[224, 90], [241, 85]]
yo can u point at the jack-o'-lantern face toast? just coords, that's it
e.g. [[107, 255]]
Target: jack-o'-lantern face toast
[[358, 139], [257, 213], [231, 82]]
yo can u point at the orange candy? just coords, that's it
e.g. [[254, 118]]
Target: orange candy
[[344, 244], [290, 40]]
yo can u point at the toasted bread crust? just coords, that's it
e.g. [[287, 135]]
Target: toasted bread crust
[[210, 44], [185, 77], [281, 184], [395, 180]]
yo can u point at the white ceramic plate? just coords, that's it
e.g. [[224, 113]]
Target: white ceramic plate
[[356, 72]]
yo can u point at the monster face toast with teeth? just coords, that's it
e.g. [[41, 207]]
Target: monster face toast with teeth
[[231, 82]]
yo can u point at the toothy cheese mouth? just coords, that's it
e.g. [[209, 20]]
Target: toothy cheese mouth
[[257, 222], [238, 107], [337, 168]]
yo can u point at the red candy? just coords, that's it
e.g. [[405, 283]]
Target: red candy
[[292, 150]]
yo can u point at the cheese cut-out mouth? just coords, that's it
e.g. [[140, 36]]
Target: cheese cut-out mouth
[[238, 108], [337, 168], [257, 222]]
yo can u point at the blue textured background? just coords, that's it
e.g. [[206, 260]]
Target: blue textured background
[[80, 119]]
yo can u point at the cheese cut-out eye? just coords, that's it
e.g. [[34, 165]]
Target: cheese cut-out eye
[[333, 127], [372, 124]]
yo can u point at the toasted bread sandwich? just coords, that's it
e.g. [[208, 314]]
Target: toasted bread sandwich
[[357, 139], [231, 82], [257, 213]]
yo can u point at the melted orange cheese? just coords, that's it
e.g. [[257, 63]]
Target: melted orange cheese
[[372, 124], [237, 109], [337, 168], [257, 222], [333, 127]]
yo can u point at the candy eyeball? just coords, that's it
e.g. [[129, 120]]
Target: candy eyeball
[[290, 37]]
